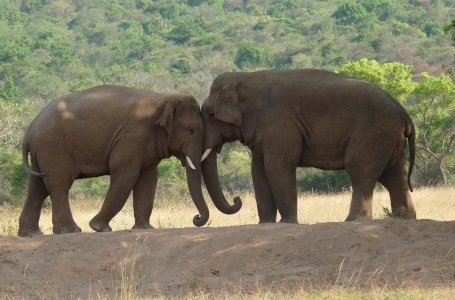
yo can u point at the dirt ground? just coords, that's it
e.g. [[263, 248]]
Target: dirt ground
[[388, 252]]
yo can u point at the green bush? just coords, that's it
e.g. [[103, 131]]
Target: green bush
[[316, 180], [432, 29], [352, 13], [251, 54], [234, 168], [13, 177]]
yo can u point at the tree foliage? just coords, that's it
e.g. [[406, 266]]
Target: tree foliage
[[435, 115], [395, 78], [251, 54]]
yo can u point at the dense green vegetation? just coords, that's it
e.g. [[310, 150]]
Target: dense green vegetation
[[50, 48]]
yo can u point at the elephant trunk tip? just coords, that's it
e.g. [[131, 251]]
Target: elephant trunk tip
[[232, 209], [199, 220], [237, 204]]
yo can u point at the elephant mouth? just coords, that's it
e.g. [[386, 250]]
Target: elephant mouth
[[185, 160]]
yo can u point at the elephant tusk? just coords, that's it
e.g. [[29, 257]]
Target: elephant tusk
[[190, 163], [206, 153]]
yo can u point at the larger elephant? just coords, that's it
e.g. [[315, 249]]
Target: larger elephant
[[309, 118], [110, 130]]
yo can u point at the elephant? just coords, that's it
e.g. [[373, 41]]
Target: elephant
[[309, 118], [111, 130]]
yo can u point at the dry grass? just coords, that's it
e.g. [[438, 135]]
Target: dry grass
[[430, 203]]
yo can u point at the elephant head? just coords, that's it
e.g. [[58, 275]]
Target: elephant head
[[184, 135], [222, 120]]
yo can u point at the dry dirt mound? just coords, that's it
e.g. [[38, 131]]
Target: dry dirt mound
[[386, 252]]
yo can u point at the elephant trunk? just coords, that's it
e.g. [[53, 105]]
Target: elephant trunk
[[212, 182], [194, 185]]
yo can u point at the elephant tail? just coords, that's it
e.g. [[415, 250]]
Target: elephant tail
[[411, 135], [25, 151]]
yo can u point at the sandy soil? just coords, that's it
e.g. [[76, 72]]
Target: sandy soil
[[387, 252]]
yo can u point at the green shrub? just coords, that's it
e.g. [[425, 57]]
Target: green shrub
[[251, 54]]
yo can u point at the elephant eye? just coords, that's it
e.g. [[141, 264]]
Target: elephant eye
[[191, 131]]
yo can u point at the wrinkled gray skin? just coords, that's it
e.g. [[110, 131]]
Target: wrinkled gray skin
[[109, 130], [309, 118]]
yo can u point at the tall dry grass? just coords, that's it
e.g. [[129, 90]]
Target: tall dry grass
[[430, 203]]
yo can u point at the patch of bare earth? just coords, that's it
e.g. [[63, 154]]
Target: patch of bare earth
[[388, 252]]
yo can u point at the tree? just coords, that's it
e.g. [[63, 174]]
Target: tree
[[12, 175], [435, 120], [217, 3], [186, 29], [10, 90], [352, 13], [251, 54], [432, 28], [395, 78], [450, 28]]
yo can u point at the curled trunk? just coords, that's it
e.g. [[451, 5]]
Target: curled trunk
[[194, 185], [212, 182]]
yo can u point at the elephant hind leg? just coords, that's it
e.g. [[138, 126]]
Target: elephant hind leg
[[363, 179], [365, 162], [62, 218], [395, 180], [29, 218], [364, 175], [362, 201]]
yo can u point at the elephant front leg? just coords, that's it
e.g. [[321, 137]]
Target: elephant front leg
[[266, 205], [282, 178], [144, 197], [121, 184], [282, 148]]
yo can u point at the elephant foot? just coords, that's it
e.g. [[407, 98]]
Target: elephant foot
[[66, 229], [29, 231], [143, 226], [357, 218], [289, 220], [266, 221], [100, 226]]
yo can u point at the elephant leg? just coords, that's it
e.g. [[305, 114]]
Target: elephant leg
[[124, 174], [281, 156], [282, 178], [366, 159], [395, 180], [362, 200], [265, 202], [143, 198], [29, 218], [58, 186]]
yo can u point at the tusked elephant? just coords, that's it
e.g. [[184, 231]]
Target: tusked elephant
[[309, 118], [110, 130]]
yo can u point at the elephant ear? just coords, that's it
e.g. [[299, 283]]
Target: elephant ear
[[227, 106], [167, 118]]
